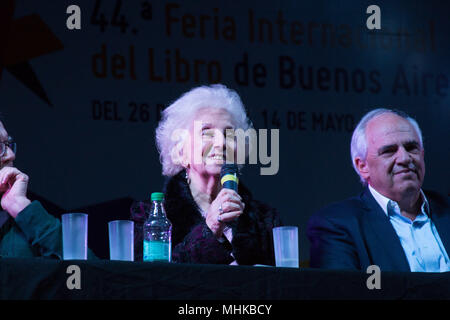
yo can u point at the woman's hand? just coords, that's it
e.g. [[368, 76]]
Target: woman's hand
[[226, 207]]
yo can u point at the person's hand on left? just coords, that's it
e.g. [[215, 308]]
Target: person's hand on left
[[13, 190]]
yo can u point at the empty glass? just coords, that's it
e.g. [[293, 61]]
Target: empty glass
[[121, 240], [75, 234], [285, 240]]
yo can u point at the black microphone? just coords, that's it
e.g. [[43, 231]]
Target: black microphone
[[229, 176]]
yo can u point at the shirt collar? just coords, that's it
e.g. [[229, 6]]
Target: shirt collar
[[384, 201]]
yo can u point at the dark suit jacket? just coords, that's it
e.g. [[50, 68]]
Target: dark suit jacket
[[356, 233]]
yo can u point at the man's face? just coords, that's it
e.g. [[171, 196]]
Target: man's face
[[7, 159], [395, 159]]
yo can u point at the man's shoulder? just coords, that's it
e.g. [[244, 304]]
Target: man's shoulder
[[344, 209], [437, 199]]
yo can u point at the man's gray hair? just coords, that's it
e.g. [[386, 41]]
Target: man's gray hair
[[358, 146], [180, 114]]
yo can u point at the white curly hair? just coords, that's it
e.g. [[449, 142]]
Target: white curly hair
[[180, 114]]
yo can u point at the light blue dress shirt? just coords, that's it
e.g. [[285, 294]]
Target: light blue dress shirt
[[419, 238]]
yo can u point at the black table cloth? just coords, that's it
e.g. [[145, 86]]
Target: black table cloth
[[46, 279]]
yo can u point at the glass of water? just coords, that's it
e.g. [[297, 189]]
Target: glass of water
[[285, 240], [75, 234]]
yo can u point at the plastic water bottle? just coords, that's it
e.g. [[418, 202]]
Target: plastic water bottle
[[157, 232]]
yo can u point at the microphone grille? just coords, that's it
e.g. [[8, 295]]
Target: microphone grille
[[229, 169]]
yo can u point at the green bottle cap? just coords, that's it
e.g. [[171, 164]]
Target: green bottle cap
[[157, 196]]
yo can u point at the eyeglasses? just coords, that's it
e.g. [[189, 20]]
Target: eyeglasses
[[5, 144]]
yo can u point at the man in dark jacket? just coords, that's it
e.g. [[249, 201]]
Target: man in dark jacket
[[26, 229], [393, 223]]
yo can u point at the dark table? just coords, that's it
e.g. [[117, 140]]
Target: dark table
[[41, 278]]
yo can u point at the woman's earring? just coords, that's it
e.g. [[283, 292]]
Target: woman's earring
[[188, 180]]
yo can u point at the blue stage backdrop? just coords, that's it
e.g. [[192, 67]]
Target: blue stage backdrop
[[83, 104]]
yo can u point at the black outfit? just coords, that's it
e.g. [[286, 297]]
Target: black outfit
[[194, 242]]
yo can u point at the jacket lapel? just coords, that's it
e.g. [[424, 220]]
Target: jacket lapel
[[387, 242]]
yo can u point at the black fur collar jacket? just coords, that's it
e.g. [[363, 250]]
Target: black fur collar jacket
[[194, 242]]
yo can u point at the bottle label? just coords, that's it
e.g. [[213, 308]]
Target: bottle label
[[157, 251]]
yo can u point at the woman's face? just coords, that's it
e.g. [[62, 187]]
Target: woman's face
[[209, 146]]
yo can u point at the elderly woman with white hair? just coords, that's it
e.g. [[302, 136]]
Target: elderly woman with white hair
[[210, 224]]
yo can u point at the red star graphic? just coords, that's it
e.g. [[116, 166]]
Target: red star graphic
[[22, 40]]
